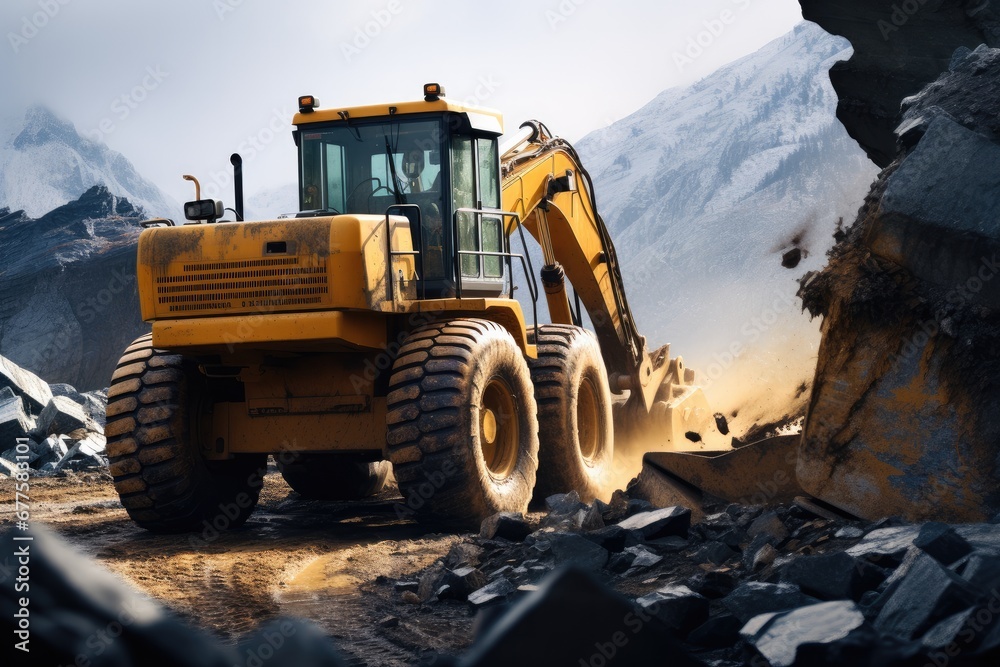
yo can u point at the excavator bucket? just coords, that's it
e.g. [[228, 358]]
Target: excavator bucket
[[681, 420], [759, 474]]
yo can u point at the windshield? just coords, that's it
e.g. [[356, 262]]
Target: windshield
[[367, 167]]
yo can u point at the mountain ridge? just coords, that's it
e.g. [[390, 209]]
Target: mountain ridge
[[46, 163]]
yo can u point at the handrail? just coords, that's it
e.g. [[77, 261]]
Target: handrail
[[525, 264], [390, 253]]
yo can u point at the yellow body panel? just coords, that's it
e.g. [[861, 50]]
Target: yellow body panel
[[291, 331], [401, 108], [269, 267]]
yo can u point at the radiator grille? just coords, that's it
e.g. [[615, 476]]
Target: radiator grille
[[260, 285]]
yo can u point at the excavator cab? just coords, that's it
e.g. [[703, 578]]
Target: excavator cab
[[439, 169]]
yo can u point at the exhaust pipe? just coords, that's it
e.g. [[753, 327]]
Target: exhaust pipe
[[237, 163]]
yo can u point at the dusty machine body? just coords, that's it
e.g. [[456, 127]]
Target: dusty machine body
[[378, 324]]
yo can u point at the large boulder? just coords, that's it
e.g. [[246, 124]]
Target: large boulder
[[905, 411]]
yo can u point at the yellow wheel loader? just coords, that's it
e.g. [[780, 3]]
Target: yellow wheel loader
[[378, 324]]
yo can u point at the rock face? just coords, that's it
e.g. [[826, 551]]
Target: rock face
[[68, 299], [905, 411], [899, 47]]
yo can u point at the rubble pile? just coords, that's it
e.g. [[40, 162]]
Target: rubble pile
[[50, 427], [781, 586]]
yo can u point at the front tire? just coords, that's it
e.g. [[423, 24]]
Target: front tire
[[462, 429], [334, 476], [576, 429], [163, 481]]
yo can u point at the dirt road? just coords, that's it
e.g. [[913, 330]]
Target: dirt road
[[332, 563]]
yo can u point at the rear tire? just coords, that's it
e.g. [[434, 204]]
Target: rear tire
[[334, 476], [163, 481], [462, 431], [576, 429]]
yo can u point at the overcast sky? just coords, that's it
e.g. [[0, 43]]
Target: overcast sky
[[177, 86]]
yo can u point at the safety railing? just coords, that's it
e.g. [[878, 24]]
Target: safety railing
[[508, 256]]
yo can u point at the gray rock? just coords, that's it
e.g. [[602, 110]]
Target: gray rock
[[941, 542], [63, 415], [7, 468], [571, 618], [406, 586], [505, 525], [762, 557], [637, 506], [713, 584], [982, 570], [572, 549], [621, 563], [886, 545], [69, 391], [644, 557], [615, 538], [495, 592], [717, 632], [771, 526], [849, 533], [14, 421], [28, 457], [947, 631], [666, 545], [946, 192], [33, 389], [616, 509], [670, 521], [50, 451], [753, 598], [777, 636], [715, 553], [564, 503], [460, 582], [96, 404], [93, 445], [926, 595], [677, 607], [835, 576], [65, 458]]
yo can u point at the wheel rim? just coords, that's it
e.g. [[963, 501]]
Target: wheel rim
[[498, 428], [588, 421]]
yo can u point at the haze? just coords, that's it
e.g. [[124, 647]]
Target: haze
[[177, 87]]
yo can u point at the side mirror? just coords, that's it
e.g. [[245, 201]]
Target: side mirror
[[209, 210]]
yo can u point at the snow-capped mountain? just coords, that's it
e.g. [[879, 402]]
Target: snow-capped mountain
[[270, 203], [706, 187], [45, 163]]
